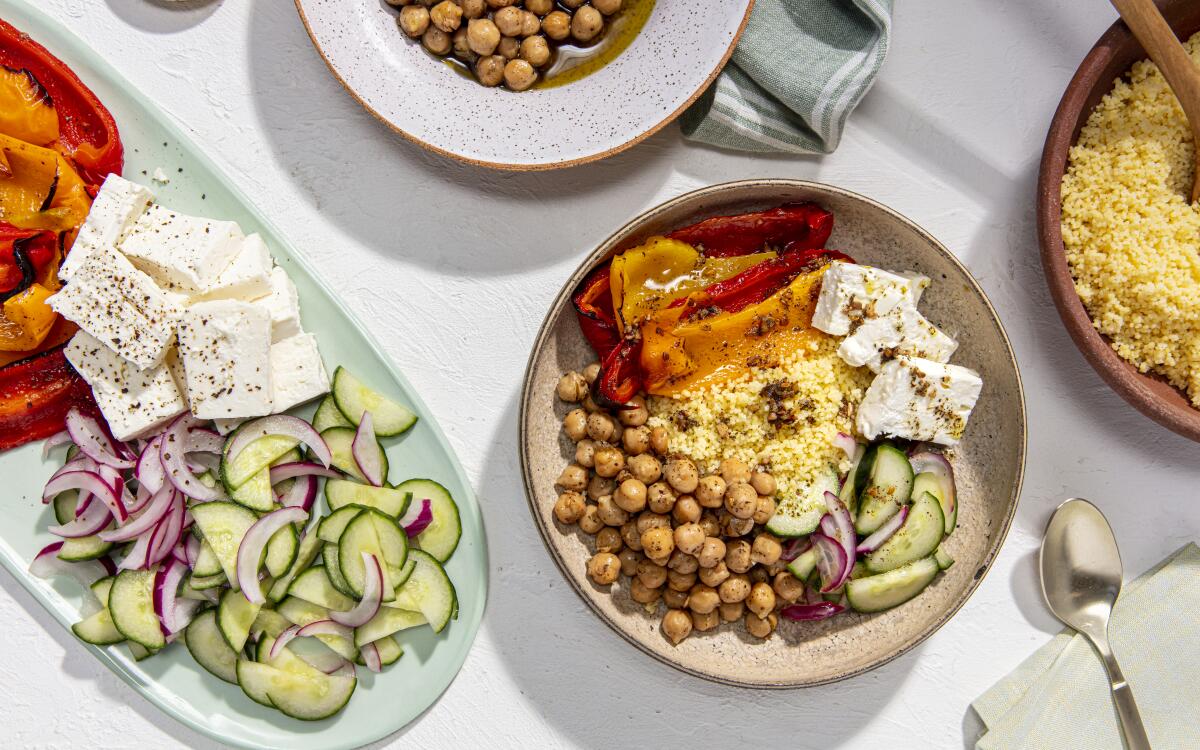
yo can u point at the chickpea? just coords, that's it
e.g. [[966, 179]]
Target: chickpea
[[761, 599], [590, 522], [483, 36], [675, 599], [731, 611], [609, 461], [599, 486], [776, 567], [448, 17], [733, 470], [604, 568], [509, 48], [635, 439], [763, 510], [788, 587], [508, 20], [647, 520], [629, 561], [659, 442], [710, 524], [741, 500], [573, 4], [601, 427], [591, 372], [631, 535], [703, 599], [575, 423], [715, 575], [710, 492], [586, 24], [731, 526], [658, 543], [413, 20], [686, 510], [460, 47], [682, 475], [571, 386], [702, 623], [631, 496], [677, 625], [557, 25], [569, 508], [734, 588], [608, 539], [471, 8], [682, 563], [760, 627], [763, 483], [651, 574], [635, 412], [589, 403], [758, 574], [436, 41], [497, 4], [610, 513], [766, 549], [539, 7], [712, 552], [573, 478], [530, 24], [680, 581], [689, 537], [607, 7], [643, 594], [737, 556]]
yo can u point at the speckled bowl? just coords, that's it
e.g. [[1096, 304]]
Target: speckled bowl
[[680, 50], [989, 462]]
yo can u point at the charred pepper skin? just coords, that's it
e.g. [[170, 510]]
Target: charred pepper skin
[[805, 225], [594, 309]]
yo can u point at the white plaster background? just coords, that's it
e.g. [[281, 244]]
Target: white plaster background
[[420, 247]]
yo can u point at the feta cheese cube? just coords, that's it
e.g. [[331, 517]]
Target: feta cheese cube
[[852, 293], [118, 205], [297, 373], [181, 252], [248, 275], [225, 346], [226, 426], [901, 332], [133, 401], [919, 399], [284, 306], [121, 306]]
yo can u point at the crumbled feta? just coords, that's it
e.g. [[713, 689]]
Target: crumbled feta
[[852, 293], [160, 176], [248, 275], [284, 306], [903, 331], [120, 306], [919, 399], [297, 373], [225, 346], [133, 401], [118, 205], [181, 252]]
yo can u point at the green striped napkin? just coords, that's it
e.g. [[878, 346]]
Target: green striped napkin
[[801, 67]]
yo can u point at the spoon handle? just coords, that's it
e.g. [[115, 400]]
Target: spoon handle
[[1127, 711]]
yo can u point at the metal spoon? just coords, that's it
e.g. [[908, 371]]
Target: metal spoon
[[1081, 579]]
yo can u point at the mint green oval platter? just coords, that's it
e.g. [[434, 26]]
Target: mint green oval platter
[[383, 703]]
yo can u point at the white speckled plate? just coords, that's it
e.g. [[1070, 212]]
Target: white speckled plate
[[679, 51]]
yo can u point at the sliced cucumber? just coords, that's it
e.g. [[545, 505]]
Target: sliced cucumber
[[101, 588], [99, 629], [804, 564], [203, 583], [302, 613], [252, 459], [331, 527], [270, 623], [330, 556], [389, 620], [886, 479], [281, 551], [250, 677], [428, 591], [310, 547], [340, 441], [84, 548], [440, 538], [223, 525], [799, 514], [400, 576], [139, 652], [307, 697], [920, 535], [235, 616], [327, 416], [131, 602], [929, 482], [208, 647], [207, 563], [390, 500], [187, 591], [375, 534], [286, 659], [389, 652], [256, 493], [943, 558], [65, 504], [353, 398], [313, 586], [886, 590]]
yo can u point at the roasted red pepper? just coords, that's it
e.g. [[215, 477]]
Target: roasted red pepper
[[620, 376], [594, 309], [87, 131], [36, 394], [805, 223], [758, 282], [24, 256]]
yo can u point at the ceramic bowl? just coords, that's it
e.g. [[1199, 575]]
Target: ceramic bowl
[[988, 463], [680, 50], [1109, 60]]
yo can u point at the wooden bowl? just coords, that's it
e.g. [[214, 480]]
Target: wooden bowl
[[1110, 59], [988, 463]]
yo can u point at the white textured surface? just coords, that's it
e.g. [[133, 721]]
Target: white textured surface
[[452, 268]]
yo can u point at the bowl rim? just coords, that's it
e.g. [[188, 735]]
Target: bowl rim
[[1136, 388], [612, 243], [539, 166]]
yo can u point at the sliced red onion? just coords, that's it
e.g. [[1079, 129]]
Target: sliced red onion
[[414, 523], [841, 527], [113, 479], [254, 544], [203, 440], [173, 451], [279, 424], [884, 532], [198, 463], [52, 442], [794, 548], [83, 503], [812, 596], [370, 655], [87, 481], [167, 534], [831, 561], [847, 443], [135, 558], [936, 464], [372, 594], [166, 590], [302, 494], [140, 500], [326, 627], [92, 439], [191, 550], [811, 612], [302, 469], [160, 505], [79, 463], [46, 564], [149, 469], [94, 520], [326, 661], [366, 450], [282, 640]]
